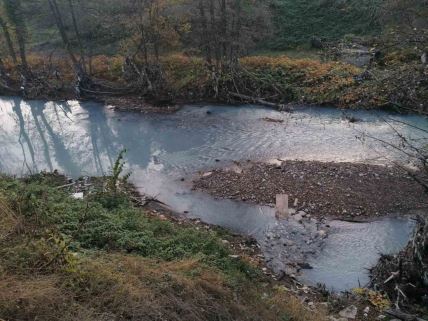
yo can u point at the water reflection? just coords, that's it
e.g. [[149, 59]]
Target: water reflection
[[23, 135], [85, 138]]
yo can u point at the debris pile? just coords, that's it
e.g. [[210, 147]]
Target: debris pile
[[404, 277]]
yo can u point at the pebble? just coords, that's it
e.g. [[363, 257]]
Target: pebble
[[322, 233], [288, 243], [349, 312], [366, 311], [298, 217]]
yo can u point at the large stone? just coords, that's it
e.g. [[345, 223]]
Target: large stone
[[349, 312]]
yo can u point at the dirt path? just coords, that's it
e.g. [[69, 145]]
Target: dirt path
[[335, 190]]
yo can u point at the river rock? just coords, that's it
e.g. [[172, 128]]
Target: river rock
[[298, 217], [349, 312], [322, 233], [288, 243]]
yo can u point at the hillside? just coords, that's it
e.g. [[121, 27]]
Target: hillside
[[298, 21]]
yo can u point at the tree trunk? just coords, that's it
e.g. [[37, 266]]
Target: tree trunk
[[76, 31], [213, 38], [205, 43], [60, 24], [156, 32], [9, 43], [235, 52], [22, 51], [223, 28], [14, 12]]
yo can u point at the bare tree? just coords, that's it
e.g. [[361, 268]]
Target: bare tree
[[77, 32], [61, 28], [8, 39], [228, 32], [13, 9]]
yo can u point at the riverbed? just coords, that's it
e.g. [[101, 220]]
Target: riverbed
[[164, 151]]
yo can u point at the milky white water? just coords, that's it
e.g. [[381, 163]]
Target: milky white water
[[85, 139]]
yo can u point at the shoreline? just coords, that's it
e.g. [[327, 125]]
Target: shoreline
[[129, 103], [187, 79]]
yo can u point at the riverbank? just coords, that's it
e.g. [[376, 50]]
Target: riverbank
[[116, 254], [277, 81], [333, 190], [102, 257]]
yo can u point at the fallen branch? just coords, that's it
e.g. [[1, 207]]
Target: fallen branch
[[393, 276], [66, 185], [260, 101]]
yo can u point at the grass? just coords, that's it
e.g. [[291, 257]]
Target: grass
[[105, 259]]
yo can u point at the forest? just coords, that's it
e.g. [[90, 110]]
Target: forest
[[273, 51]]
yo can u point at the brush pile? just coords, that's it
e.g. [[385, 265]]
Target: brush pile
[[404, 277]]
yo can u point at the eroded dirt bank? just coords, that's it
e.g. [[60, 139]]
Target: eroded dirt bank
[[334, 190]]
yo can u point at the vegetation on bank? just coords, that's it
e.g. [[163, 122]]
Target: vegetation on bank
[[396, 81], [103, 258], [163, 51]]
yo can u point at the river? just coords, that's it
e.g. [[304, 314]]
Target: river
[[85, 139]]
